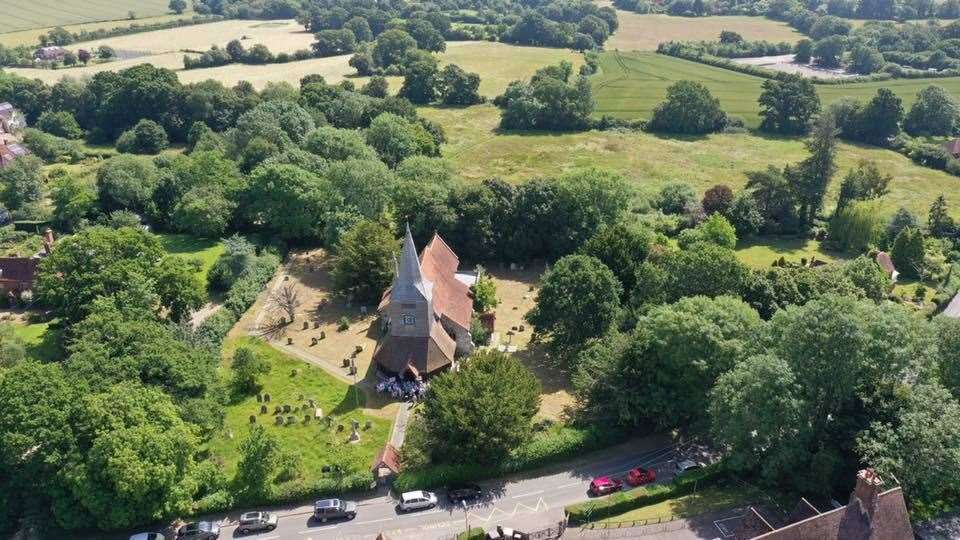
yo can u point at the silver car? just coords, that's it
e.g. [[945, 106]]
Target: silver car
[[417, 500], [257, 521], [147, 536]]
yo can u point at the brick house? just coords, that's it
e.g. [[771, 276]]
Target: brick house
[[50, 54], [872, 514], [427, 312]]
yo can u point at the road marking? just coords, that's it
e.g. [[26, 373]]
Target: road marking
[[274, 537], [528, 494], [421, 513], [319, 529], [373, 521], [571, 484]]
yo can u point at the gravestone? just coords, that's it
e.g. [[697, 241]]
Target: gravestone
[[368, 425], [253, 419], [313, 342], [353, 369], [294, 372], [259, 398], [318, 413], [363, 310], [278, 409], [354, 435], [323, 335], [286, 278], [306, 419], [358, 349], [346, 362], [354, 424], [316, 324], [278, 420], [522, 328], [311, 403], [299, 397], [263, 409], [306, 325], [339, 427], [266, 398], [290, 420], [286, 408]]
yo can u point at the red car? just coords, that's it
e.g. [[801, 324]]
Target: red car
[[640, 476], [603, 485]]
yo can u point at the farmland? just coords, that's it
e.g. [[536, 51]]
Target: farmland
[[630, 85], [645, 32], [45, 13], [478, 151]]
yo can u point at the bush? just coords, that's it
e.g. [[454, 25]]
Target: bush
[[147, 137], [216, 327], [60, 124], [248, 285]]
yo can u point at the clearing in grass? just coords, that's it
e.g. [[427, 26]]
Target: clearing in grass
[[761, 252], [479, 150], [24, 15], [319, 446]]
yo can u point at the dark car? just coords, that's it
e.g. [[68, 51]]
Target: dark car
[[199, 530], [328, 509], [257, 521], [466, 493]]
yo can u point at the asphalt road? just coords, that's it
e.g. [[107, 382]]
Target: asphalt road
[[526, 504]]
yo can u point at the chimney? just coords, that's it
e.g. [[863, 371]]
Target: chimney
[[868, 489], [48, 240]]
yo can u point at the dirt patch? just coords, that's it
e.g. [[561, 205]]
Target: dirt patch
[[786, 64]]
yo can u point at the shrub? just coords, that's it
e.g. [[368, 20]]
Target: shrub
[[61, 124], [147, 137], [216, 327]]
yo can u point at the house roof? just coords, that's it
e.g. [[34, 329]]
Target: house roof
[[389, 458], [18, 270], [952, 146], [6, 110], [451, 297], [426, 354], [953, 308]]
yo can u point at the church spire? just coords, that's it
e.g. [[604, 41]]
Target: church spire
[[410, 281]]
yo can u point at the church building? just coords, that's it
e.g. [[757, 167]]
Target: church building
[[427, 312]]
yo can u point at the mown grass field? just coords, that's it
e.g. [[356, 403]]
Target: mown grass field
[[316, 444], [206, 250], [644, 32], [479, 151], [39, 340], [761, 252], [31, 36], [630, 85], [27, 14]]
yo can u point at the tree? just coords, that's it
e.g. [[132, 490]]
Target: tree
[[364, 261], [127, 183], [426, 36], [377, 87], [177, 6], [287, 299], [61, 124], [787, 105], [900, 221], [880, 120], [338, 144], [744, 214], [147, 137], [484, 411], [689, 108], [865, 60], [729, 36], [828, 52], [717, 199], [702, 269], [205, 211], [622, 248], [396, 138], [939, 221], [549, 101], [392, 47], [74, 203], [21, 182], [948, 340], [288, 201], [933, 113], [457, 87], [334, 42], [775, 198], [715, 230], [908, 252], [484, 294], [105, 52], [856, 228], [675, 198], [579, 299], [365, 186], [811, 177], [803, 51], [259, 54], [179, 287], [259, 459], [360, 28], [246, 367], [583, 42], [865, 183], [420, 82], [663, 374]]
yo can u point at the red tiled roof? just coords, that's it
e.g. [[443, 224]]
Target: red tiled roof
[[388, 457], [427, 354], [451, 297], [889, 522], [18, 272]]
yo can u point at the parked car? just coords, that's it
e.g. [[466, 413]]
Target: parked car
[[147, 536], [417, 500], [458, 494], [687, 465], [640, 476], [327, 509], [603, 485], [199, 530], [257, 521]]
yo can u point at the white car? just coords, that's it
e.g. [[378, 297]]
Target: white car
[[687, 465], [417, 500], [147, 536]]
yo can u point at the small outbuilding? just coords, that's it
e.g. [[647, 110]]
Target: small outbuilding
[[886, 263], [953, 148], [386, 464]]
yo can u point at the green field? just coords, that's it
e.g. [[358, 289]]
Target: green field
[[317, 445], [204, 249], [761, 252], [630, 85], [24, 15], [479, 151], [39, 341]]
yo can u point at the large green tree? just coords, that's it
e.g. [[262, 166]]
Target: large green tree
[[579, 299], [788, 105], [811, 177], [365, 261], [935, 112], [483, 411], [688, 108], [288, 201]]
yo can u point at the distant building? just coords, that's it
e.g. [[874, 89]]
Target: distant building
[[886, 264], [11, 119], [10, 152], [19, 274], [50, 54], [427, 312], [871, 514]]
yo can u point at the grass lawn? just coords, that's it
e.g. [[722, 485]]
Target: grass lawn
[[708, 500], [630, 85], [204, 249], [318, 445], [39, 340], [479, 151], [761, 252], [23, 15]]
